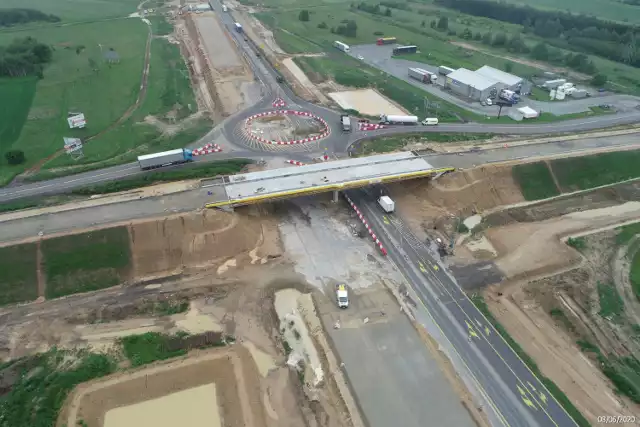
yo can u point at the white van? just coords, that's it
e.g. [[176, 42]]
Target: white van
[[430, 121]]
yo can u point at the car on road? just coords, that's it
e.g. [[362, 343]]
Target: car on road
[[361, 58]]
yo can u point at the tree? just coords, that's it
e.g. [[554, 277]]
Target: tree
[[443, 23], [477, 36], [423, 24], [487, 38], [500, 39], [433, 24], [15, 157], [540, 51], [466, 34], [508, 67], [599, 80], [322, 25], [387, 12], [304, 15]]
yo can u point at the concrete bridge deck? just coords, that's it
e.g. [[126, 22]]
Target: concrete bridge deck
[[257, 187]]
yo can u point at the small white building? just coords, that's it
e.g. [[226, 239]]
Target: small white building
[[509, 81]]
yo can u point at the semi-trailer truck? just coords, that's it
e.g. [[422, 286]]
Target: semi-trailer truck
[[509, 95], [386, 40], [342, 46], [445, 70], [398, 120], [404, 49], [423, 76], [165, 158]]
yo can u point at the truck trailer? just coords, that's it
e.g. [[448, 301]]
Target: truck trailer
[[238, 27], [509, 96], [398, 120], [387, 204], [346, 123], [552, 84], [404, 49], [386, 40], [422, 75], [165, 158], [342, 46], [445, 71]]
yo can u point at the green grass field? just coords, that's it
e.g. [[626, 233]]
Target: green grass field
[[14, 114], [581, 173], [614, 10], [18, 279], [535, 181], [634, 274], [77, 10], [393, 143], [86, 262], [611, 303], [70, 84]]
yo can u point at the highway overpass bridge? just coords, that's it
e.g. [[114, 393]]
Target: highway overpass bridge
[[258, 187]]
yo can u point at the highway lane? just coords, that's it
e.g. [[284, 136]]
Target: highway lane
[[512, 392]]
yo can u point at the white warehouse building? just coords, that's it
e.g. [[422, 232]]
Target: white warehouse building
[[509, 81], [470, 84]]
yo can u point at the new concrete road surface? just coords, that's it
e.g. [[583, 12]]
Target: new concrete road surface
[[513, 394], [394, 376]]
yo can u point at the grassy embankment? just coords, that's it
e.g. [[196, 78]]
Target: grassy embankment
[[80, 79], [387, 144], [575, 173]]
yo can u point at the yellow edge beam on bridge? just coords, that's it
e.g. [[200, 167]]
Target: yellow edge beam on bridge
[[325, 188]]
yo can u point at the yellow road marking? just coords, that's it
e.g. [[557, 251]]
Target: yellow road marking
[[472, 332], [385, 219], [525, 399], [422, 268], [436, 268]]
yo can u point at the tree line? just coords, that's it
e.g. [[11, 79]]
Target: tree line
[[612, 40], [24, 57], [10, 17]]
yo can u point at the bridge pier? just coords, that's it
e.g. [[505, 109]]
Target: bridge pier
[[336, 196]]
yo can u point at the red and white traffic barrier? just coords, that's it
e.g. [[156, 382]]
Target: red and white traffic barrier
[[383, 251], [295, 162], [369, 126], [325, 132], [207, 149], [279, 103]]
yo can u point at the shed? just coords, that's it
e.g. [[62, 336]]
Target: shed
[[509, 80]]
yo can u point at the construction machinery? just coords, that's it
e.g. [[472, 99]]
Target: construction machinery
[[342, 296]]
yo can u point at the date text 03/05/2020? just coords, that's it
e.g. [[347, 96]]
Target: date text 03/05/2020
[[616, 419]]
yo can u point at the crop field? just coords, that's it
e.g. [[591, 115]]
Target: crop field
[[16, 96], [86, 262], [614, 10], [18, 281], [77, 10], [535, 181]]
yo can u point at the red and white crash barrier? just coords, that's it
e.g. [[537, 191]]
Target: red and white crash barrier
[[207, 149], [279, 103], [295, 162], [325, 132], [383, 251], [370, 126]]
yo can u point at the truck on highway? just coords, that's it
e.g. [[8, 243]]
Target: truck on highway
[[346, 123], [224, 7], [423, 76], [430, 121], [405, 49], [342, 46], [342, 296], [386, 40], [238, 27], [398, 120], [165, 158], [445, 70], [387, 204]]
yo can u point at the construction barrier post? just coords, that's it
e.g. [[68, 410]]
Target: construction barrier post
[[336, 194]]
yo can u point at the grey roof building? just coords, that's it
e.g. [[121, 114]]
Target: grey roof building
[[471, 84], [509, 80]]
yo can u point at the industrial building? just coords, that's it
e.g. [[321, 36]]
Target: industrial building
[[472, 85], [509, 81]]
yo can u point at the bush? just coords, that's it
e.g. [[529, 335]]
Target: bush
[[578, 243], [304, 15], [323, 25], [15, 157]]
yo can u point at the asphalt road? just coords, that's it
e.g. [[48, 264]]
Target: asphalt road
[[511, 390]]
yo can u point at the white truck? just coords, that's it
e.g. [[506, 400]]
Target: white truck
[[387, 204], [224, 7], [421, 75], [398, 120], [165, 158], [342, 46], [342, 296]]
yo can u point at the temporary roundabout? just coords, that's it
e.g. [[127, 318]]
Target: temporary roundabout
[[285, 128]]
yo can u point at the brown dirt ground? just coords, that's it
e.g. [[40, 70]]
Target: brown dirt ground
[[196, 239], [232, 370]]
